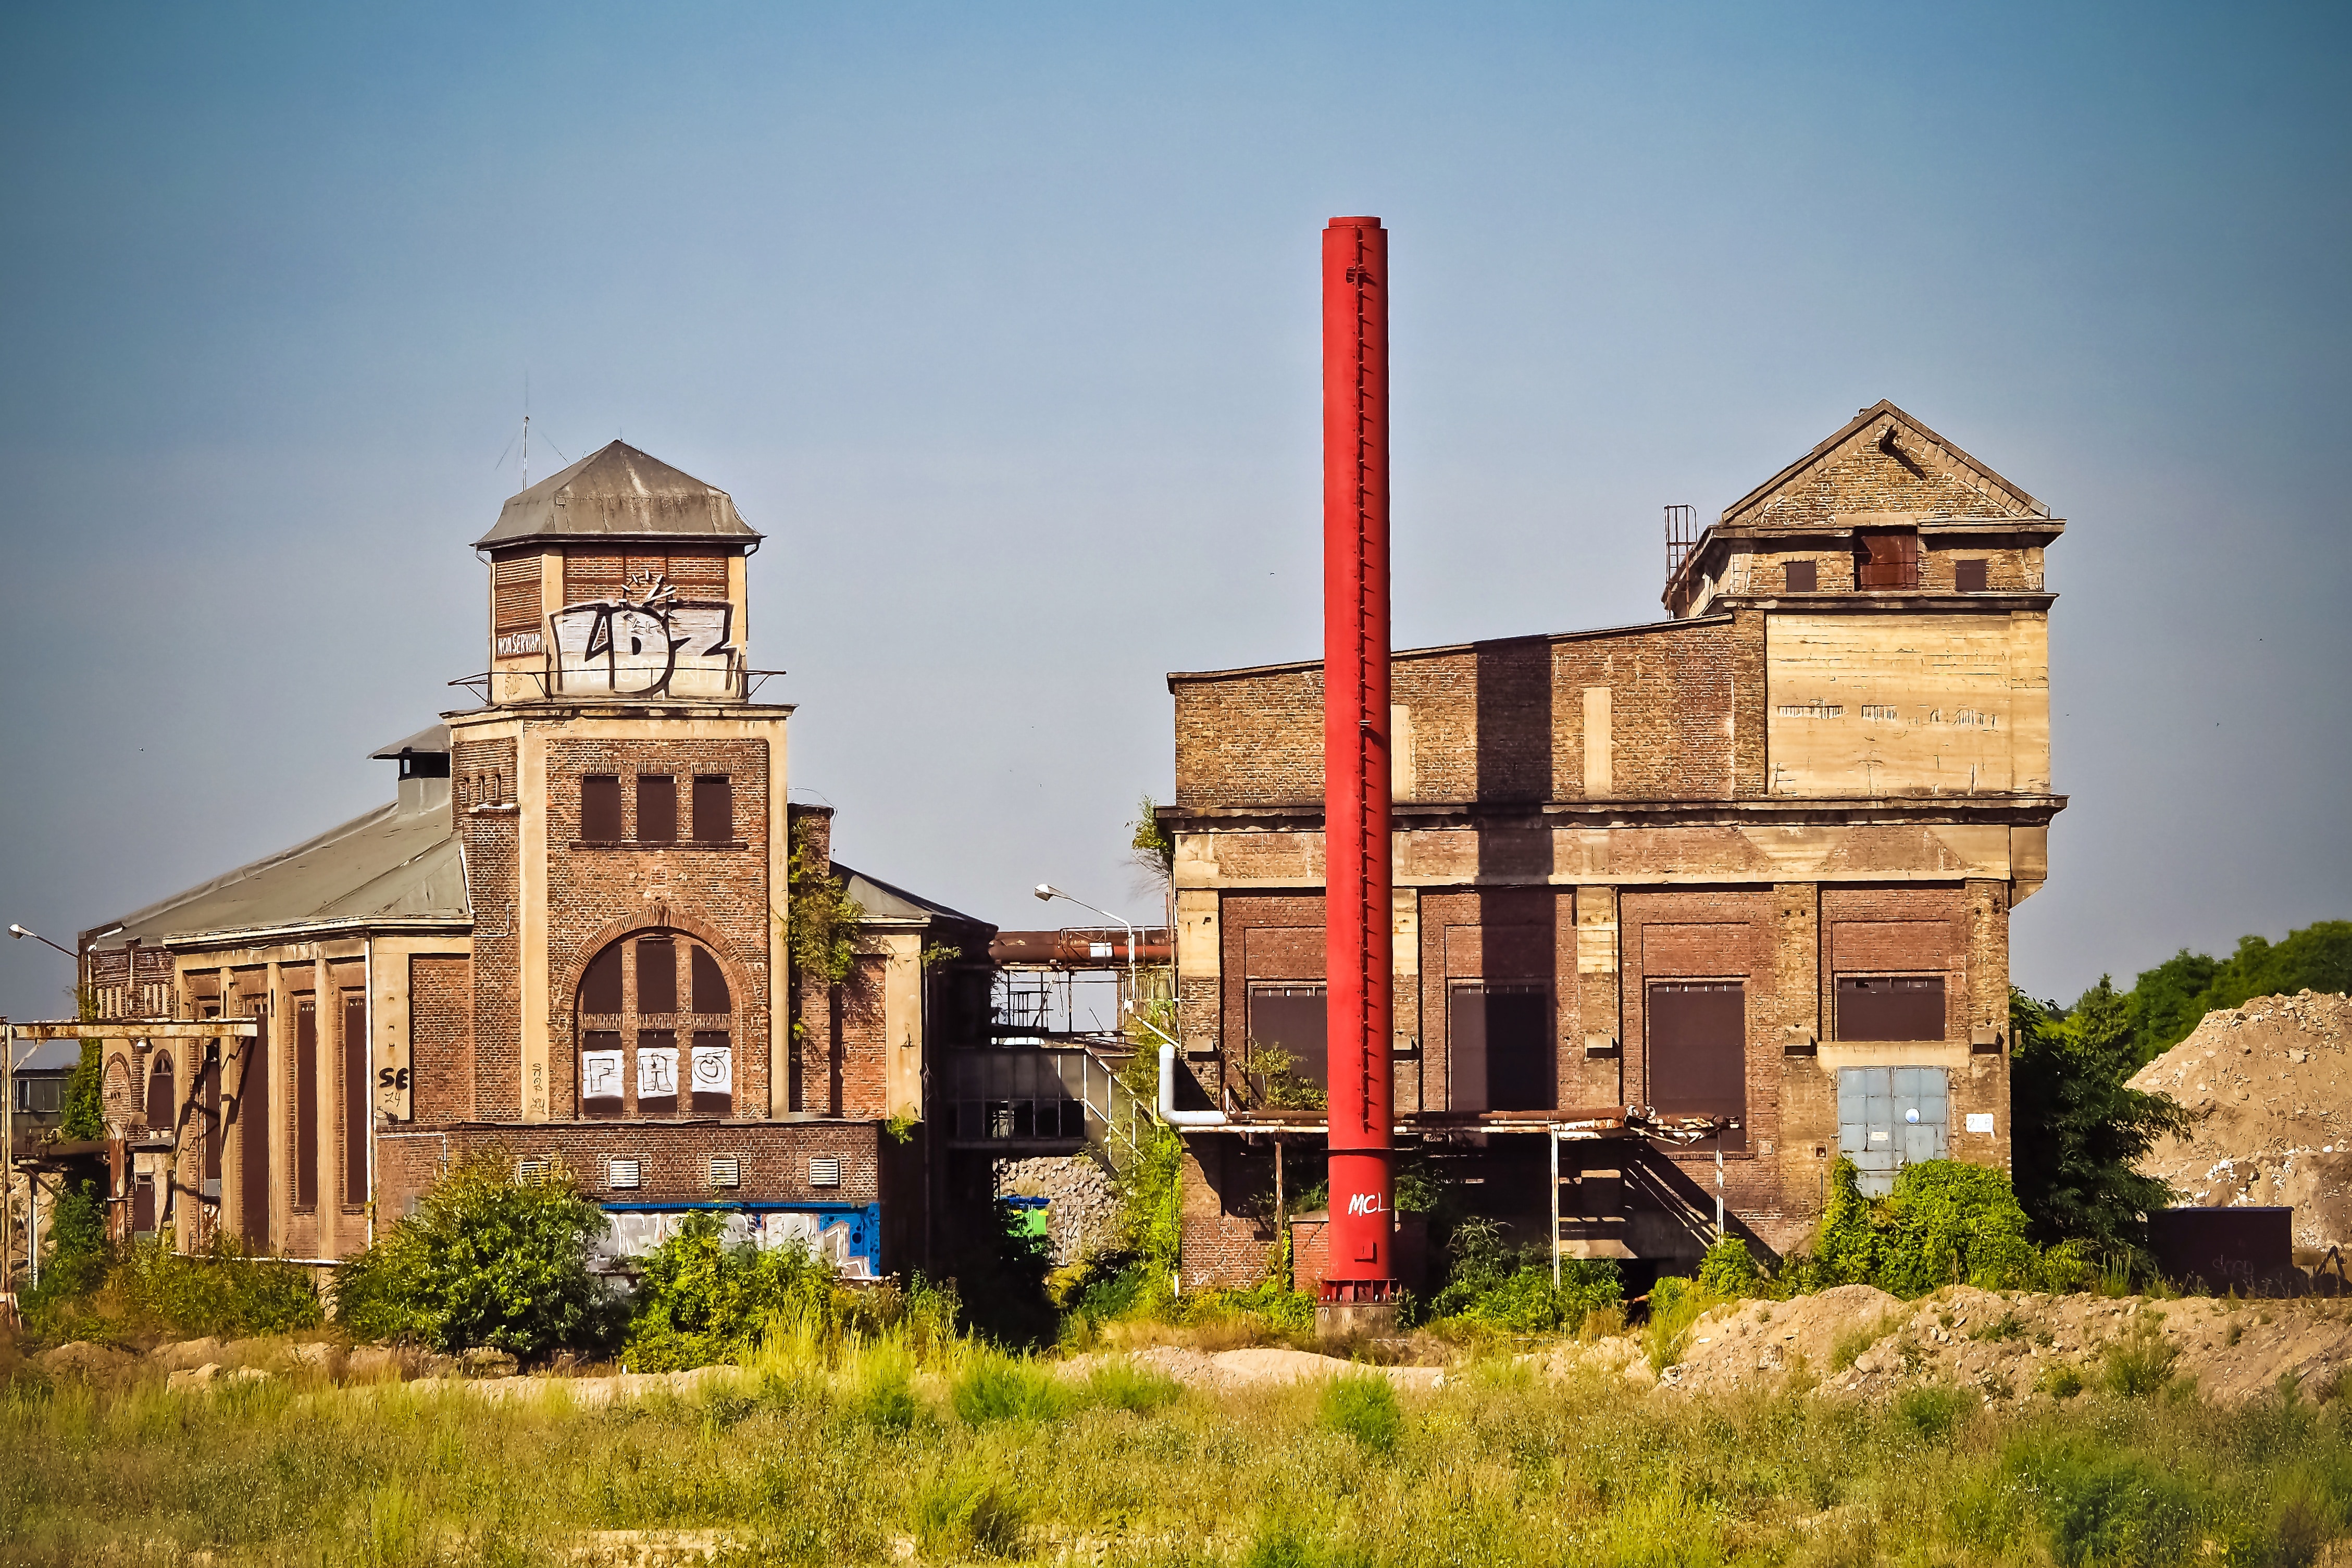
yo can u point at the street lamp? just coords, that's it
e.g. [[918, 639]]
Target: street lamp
[[1046, 893], [20, 933]]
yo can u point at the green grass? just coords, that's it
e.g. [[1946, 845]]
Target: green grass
[[865, 1452]]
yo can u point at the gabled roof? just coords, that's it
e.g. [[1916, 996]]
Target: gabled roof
[[1881, 460], [883, 901], [619, 492], [395, 863]]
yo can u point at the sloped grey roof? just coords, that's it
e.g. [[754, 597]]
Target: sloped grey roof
[[50, 1056], [881, 901], [619, 492], [392, 864], [433, 741]]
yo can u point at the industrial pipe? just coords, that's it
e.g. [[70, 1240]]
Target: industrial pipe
[[1167, 1112], [1358, 919]]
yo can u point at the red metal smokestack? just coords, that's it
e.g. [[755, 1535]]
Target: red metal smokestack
[[1358, 922]]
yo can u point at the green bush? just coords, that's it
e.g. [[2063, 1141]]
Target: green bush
[[1933, 1412], [74, 1261], [150, 1289], [1510, 1288], [1123, 1385], [2117, 1510], [1364, 1406], [964, 1514], [702, 1300], [1007, 1388], [84, 1103], [1728, 1268], [486, 1260], [1946, 1223], [2140, 1362]]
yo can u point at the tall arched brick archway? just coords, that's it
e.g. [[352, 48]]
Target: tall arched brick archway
[[675, 1026]]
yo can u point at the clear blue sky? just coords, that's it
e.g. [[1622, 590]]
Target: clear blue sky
[[1000, 321]]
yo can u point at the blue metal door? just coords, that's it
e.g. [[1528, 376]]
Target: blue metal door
[[1892, 1117]]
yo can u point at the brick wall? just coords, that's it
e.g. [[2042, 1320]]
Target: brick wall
[[492, 862], [441, 1040]]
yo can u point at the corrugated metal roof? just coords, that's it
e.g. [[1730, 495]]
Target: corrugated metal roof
[[433, 741], [392, 863], [619, 492]]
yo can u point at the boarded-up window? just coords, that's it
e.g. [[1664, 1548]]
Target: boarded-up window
[[514, 594], [1499, 1037], [1886, 558], [710, 984], [162, 1098], [657, 976], [600, 988], [656, 809], [1294, 1018], [600, 808], [600, 1072], [305, 1104], [252, 1113], [714, 808], [142, 1207], [1968, 577], [657, 1072], [355, 1098], [712, 1064], [1803, 577], [1890, 1007], [1698, 1049]]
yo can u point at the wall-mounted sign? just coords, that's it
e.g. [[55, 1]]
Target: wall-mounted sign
[[648, 642]]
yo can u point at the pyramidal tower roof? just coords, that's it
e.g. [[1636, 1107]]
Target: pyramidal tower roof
[[619, 492]]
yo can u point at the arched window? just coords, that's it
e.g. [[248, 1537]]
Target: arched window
[[657, 1030], [163, 1104]]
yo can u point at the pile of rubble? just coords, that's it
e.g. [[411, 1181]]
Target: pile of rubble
[[2271, 1084]]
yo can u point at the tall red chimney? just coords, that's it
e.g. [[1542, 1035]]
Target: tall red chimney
[[1358, 922]]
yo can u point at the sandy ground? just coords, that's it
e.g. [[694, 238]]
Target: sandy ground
[[2272, 1085]]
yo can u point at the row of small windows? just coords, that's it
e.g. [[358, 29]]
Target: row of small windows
[[1881, 567], [604, 817]]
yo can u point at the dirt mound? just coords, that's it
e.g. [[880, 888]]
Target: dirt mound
[[2272, 1084], [2007, 1346], [1254, 1367]]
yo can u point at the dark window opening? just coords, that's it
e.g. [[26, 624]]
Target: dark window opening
[[710, 984], [1698, 1050], [600, 808], [600, 988], [1500, 1040], [657, 1072], [656, 809], [656, 975], [1968, 577], [1295, 1020], [1886, 560], [355, 1100], [306, 1105], [161, 1097], [1890, 1007], [1803, 577], [714, 808], [39, 1096], [251, 1113], [210, 1091], [142, 1207], [713, 1069]]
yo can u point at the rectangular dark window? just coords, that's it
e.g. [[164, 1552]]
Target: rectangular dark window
[[1968, 577], [600, 988], [356, 1103], [714, 808], [162, 1100], [713, 1070], [657, 809], [1886, 558], [658, 1070], [210, 1091], [600, 808], [1804, 577], [1890, 1007], [1294, 1017], [657, 976], [1698, 1050], [251, 1112], [306, 1105], [709, 985], [1499, 1037], [142, 1207]]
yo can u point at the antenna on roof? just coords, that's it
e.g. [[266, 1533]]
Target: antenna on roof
[[526, 428]]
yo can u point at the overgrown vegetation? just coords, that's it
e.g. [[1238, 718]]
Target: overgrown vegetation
[[2165, 1003], [486, 1260], [1494, 1285], [2080, 1129], [84, 1117], [822, 921], [867, 1452], [90, 1293], [1946, 1223]]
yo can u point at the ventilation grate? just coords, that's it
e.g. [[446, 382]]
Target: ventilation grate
[[725, 1171], [625, 1174], [824, 1171], [529, 1172]]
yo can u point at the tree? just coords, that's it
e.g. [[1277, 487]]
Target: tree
[[2169, 1001], [2079, 1131], [484, 1260]]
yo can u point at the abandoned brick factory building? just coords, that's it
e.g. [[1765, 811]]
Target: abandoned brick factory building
[[1754, 862], [565, 939]]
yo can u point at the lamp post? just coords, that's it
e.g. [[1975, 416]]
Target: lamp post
[[20, 933], [1046, 893]]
